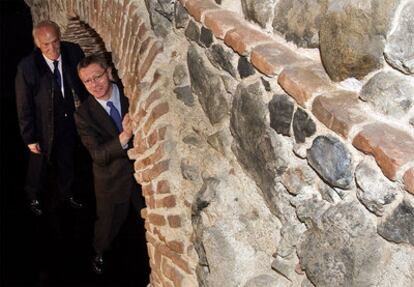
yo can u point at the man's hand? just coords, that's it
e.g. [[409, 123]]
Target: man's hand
[[126, 134], [34, 148]]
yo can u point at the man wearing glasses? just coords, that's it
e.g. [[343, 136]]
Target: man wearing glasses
[[105, 129]]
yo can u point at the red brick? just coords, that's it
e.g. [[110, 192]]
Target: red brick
[[391, 147], [155, 95], [271, 58], [197, 8], [151, 159], [174, 221], [144, 213], [158, 111], [156, 219], [339, 111], [167, 202], [303, 82], [155, 49], [408, 179], [176, 246], [243, 38], [147, 190], [219, 22], [163, 186], [161, 133], [155, 171]]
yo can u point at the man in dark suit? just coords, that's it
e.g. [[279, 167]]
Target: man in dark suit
[[47, 91], [105, 129]]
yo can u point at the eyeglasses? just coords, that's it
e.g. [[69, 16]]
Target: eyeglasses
[[96, 78]]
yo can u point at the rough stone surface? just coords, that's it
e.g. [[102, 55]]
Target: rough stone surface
[[343, 251], [180, 75], [193, 32], [260, 12], [352, 36], [389, 93], [181, 16], [375, 191], [222, 57], [340, 111], [303, 126], [253, 144], [281, 111], [267, 280], [161, 15], [398, 227], [299, 21], [245, 68], [206, 37], [332, 160], [208, 86], [185, 95], [399, 51], [231, 226], [391, 147]]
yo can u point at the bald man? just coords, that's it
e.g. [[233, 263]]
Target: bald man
[[47, 91]]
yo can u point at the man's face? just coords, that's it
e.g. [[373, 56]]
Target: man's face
[[96, 81], [48, 42]]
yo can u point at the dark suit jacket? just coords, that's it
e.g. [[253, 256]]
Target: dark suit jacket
[[113, 171], [35, 92]]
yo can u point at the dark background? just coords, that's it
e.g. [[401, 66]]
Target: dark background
[[29, 255]]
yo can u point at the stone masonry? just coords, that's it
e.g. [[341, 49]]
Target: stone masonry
[[272, 151]]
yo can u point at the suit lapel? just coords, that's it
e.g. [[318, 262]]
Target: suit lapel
[[102, 119]]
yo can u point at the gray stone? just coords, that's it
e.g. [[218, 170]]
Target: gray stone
[[193, 139], [332, 160], [206, 37], [299, 21], [303, 126], [352, 36], [234, 234], [281, 111], [399, 51], [221, 141], [260, 12], [188, 170], [343, 250], [290, 236], [181, 15], [192, 32], [375, 190], [180, 75], [185, 95], [245, 68], [389, 93], [284, 266], [161, 14], [298, 177], [222, 58], [399, 226], [208, 86], [266, 84], [327, 192], [254, 144], [266, 280]]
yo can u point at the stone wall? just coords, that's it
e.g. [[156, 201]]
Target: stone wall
[[273, 139]]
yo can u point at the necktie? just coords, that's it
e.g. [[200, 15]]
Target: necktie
[[114, 113], [56, 73]]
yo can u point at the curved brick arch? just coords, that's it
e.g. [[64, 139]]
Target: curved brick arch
[[123, 30]]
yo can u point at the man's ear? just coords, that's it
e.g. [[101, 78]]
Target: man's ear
[[109, 71]]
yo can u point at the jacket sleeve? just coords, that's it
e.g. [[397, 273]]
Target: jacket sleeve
[[103, 152], [25, 89]]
